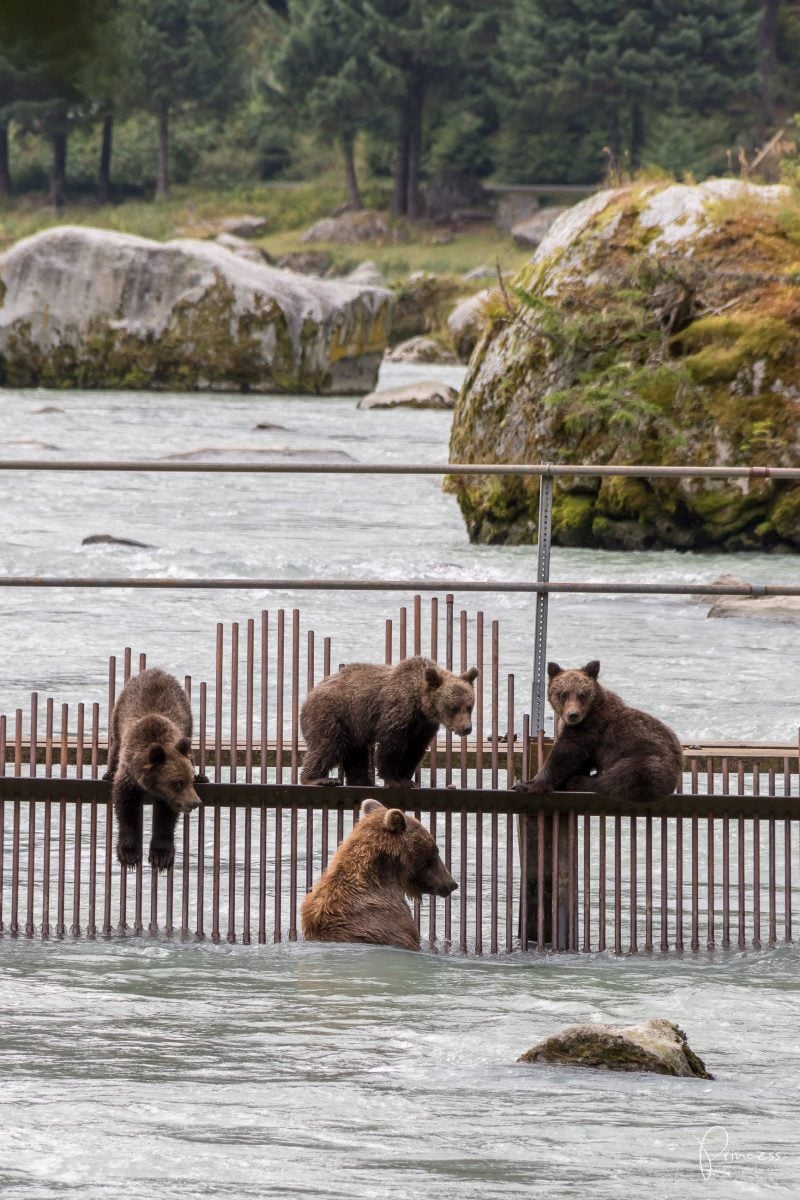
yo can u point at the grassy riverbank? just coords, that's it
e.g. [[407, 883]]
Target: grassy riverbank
[[288, 210]]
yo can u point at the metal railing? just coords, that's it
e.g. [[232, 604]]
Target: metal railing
[[712, 866]]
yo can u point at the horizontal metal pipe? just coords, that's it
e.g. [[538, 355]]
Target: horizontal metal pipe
[[644, 471], [444, 800], [400, 585]]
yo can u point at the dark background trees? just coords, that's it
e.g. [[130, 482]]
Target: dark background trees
[[212, 91]]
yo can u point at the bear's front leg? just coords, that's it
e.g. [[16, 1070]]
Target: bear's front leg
[[565, 761], [127, 797], [162, 841]]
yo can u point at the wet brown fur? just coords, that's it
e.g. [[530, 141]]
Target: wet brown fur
[[400, 708], [362, 895], [603, 745], [149, 756]]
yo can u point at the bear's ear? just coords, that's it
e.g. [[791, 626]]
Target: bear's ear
[[156, 754], [370, 806], [554, 669], [395, 820], [592, 669], [433, 677], [183, 746], [471, 675]]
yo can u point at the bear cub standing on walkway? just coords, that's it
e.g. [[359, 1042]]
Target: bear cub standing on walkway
[[149, 755], [362, 895], [635, 756], [398, 707]]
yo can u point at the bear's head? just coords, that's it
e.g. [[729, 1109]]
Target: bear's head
[[450, 698], [165, 770], [572, 693], [396, 843]]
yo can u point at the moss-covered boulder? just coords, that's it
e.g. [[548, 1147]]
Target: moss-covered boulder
[[657, 1046], [654, 324], [92, 308]]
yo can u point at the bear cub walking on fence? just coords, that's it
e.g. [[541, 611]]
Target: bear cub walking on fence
[[149, 755], [635, 756], [398, 707], [362, 895]]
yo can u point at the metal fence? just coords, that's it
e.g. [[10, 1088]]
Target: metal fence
[[712, 866]]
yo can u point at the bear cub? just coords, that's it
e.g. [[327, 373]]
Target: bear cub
[[398, 707], [362, 895], [603, 746], [149, 756]]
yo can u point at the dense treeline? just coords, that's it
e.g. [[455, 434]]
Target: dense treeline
[[116, 96]]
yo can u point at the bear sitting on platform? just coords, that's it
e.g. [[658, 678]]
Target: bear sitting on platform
[[398, 707], [149, 755], [362, 895], [604, 746]]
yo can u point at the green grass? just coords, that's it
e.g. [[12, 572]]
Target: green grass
[[194, 212]]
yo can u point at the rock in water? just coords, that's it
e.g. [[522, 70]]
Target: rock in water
[[108, 539], [657, 1046], [425, 394], [92, 308], [421, 350], [654, 324]]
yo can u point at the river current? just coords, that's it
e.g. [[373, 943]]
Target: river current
[[144, 1069]]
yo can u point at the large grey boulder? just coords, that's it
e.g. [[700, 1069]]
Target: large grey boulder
[[91, 308], [532, 230], [348, 229], [467, 322], [784, 609], [657, 1046], [421, 350]]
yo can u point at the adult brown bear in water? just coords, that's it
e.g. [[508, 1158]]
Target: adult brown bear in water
[[362, 895], [603, 745]]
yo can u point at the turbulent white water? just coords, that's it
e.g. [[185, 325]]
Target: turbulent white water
[[144, 1069], [710, 679]]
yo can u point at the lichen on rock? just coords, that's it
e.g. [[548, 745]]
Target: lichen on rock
[[654, 324], [91, 308]]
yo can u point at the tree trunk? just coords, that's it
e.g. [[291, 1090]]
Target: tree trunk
[[351, 179], [104, 177], [58, 175], [400, 199], [415, 105], [637, 136], [162, 179], [767, 51], [5, 170]]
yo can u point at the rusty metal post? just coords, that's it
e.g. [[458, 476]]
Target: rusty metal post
[[556, 908]]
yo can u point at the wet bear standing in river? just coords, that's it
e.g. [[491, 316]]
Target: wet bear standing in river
[[149, 757], [399, 708], [603, 745]]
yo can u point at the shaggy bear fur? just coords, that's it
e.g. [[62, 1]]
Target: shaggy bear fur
[[362, 895], [398, 707], [149, 756], [604, 746]]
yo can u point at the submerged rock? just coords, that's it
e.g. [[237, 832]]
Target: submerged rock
[[421, 350], [425, 394], [656, 1046], [784, 609], [108, 539], [91, 308], [653, 325]]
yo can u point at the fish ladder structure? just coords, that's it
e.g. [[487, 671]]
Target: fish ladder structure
[[715, 866]]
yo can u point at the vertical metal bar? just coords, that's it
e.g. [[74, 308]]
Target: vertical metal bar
[[756, 860], [48, 770], [295, 691], [31, 865], [449, 601], [433, 756], [91, 926], [234, 701], [218, 705], [539, 684], [15, 829], [742, 940], [479, 702], [634, 933], [61, 927], [126, 665], [3, 752], [78, 808], [523, 870], [679, 884], [648, 883], [572, 880], [417, 625], [773, 920], [726, 864], [262, 877], [264, 688], [710, 837], [695, 884], [326, 657], [510, 722], [279, 691], [540, 898], [463, 748], [556, 875], [403, 646], [231, 874], [479, 882], [462, 830], [664, 887], [495, 700], [387, 643], [249, 701], [617, 885], [215, 872], [199, 932], [587, 879]]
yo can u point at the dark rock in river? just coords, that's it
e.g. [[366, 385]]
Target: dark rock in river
[[656, 1046], [108, 539], [254, 454]]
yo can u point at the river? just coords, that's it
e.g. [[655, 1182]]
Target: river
[[145, 1069]]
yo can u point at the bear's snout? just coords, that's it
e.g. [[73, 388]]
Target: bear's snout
[[446, 889], [573, 716], [188, 804]]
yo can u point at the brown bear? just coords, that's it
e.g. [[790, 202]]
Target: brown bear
[[149, 756], [604, 746], [398, 707], [362, 895]]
